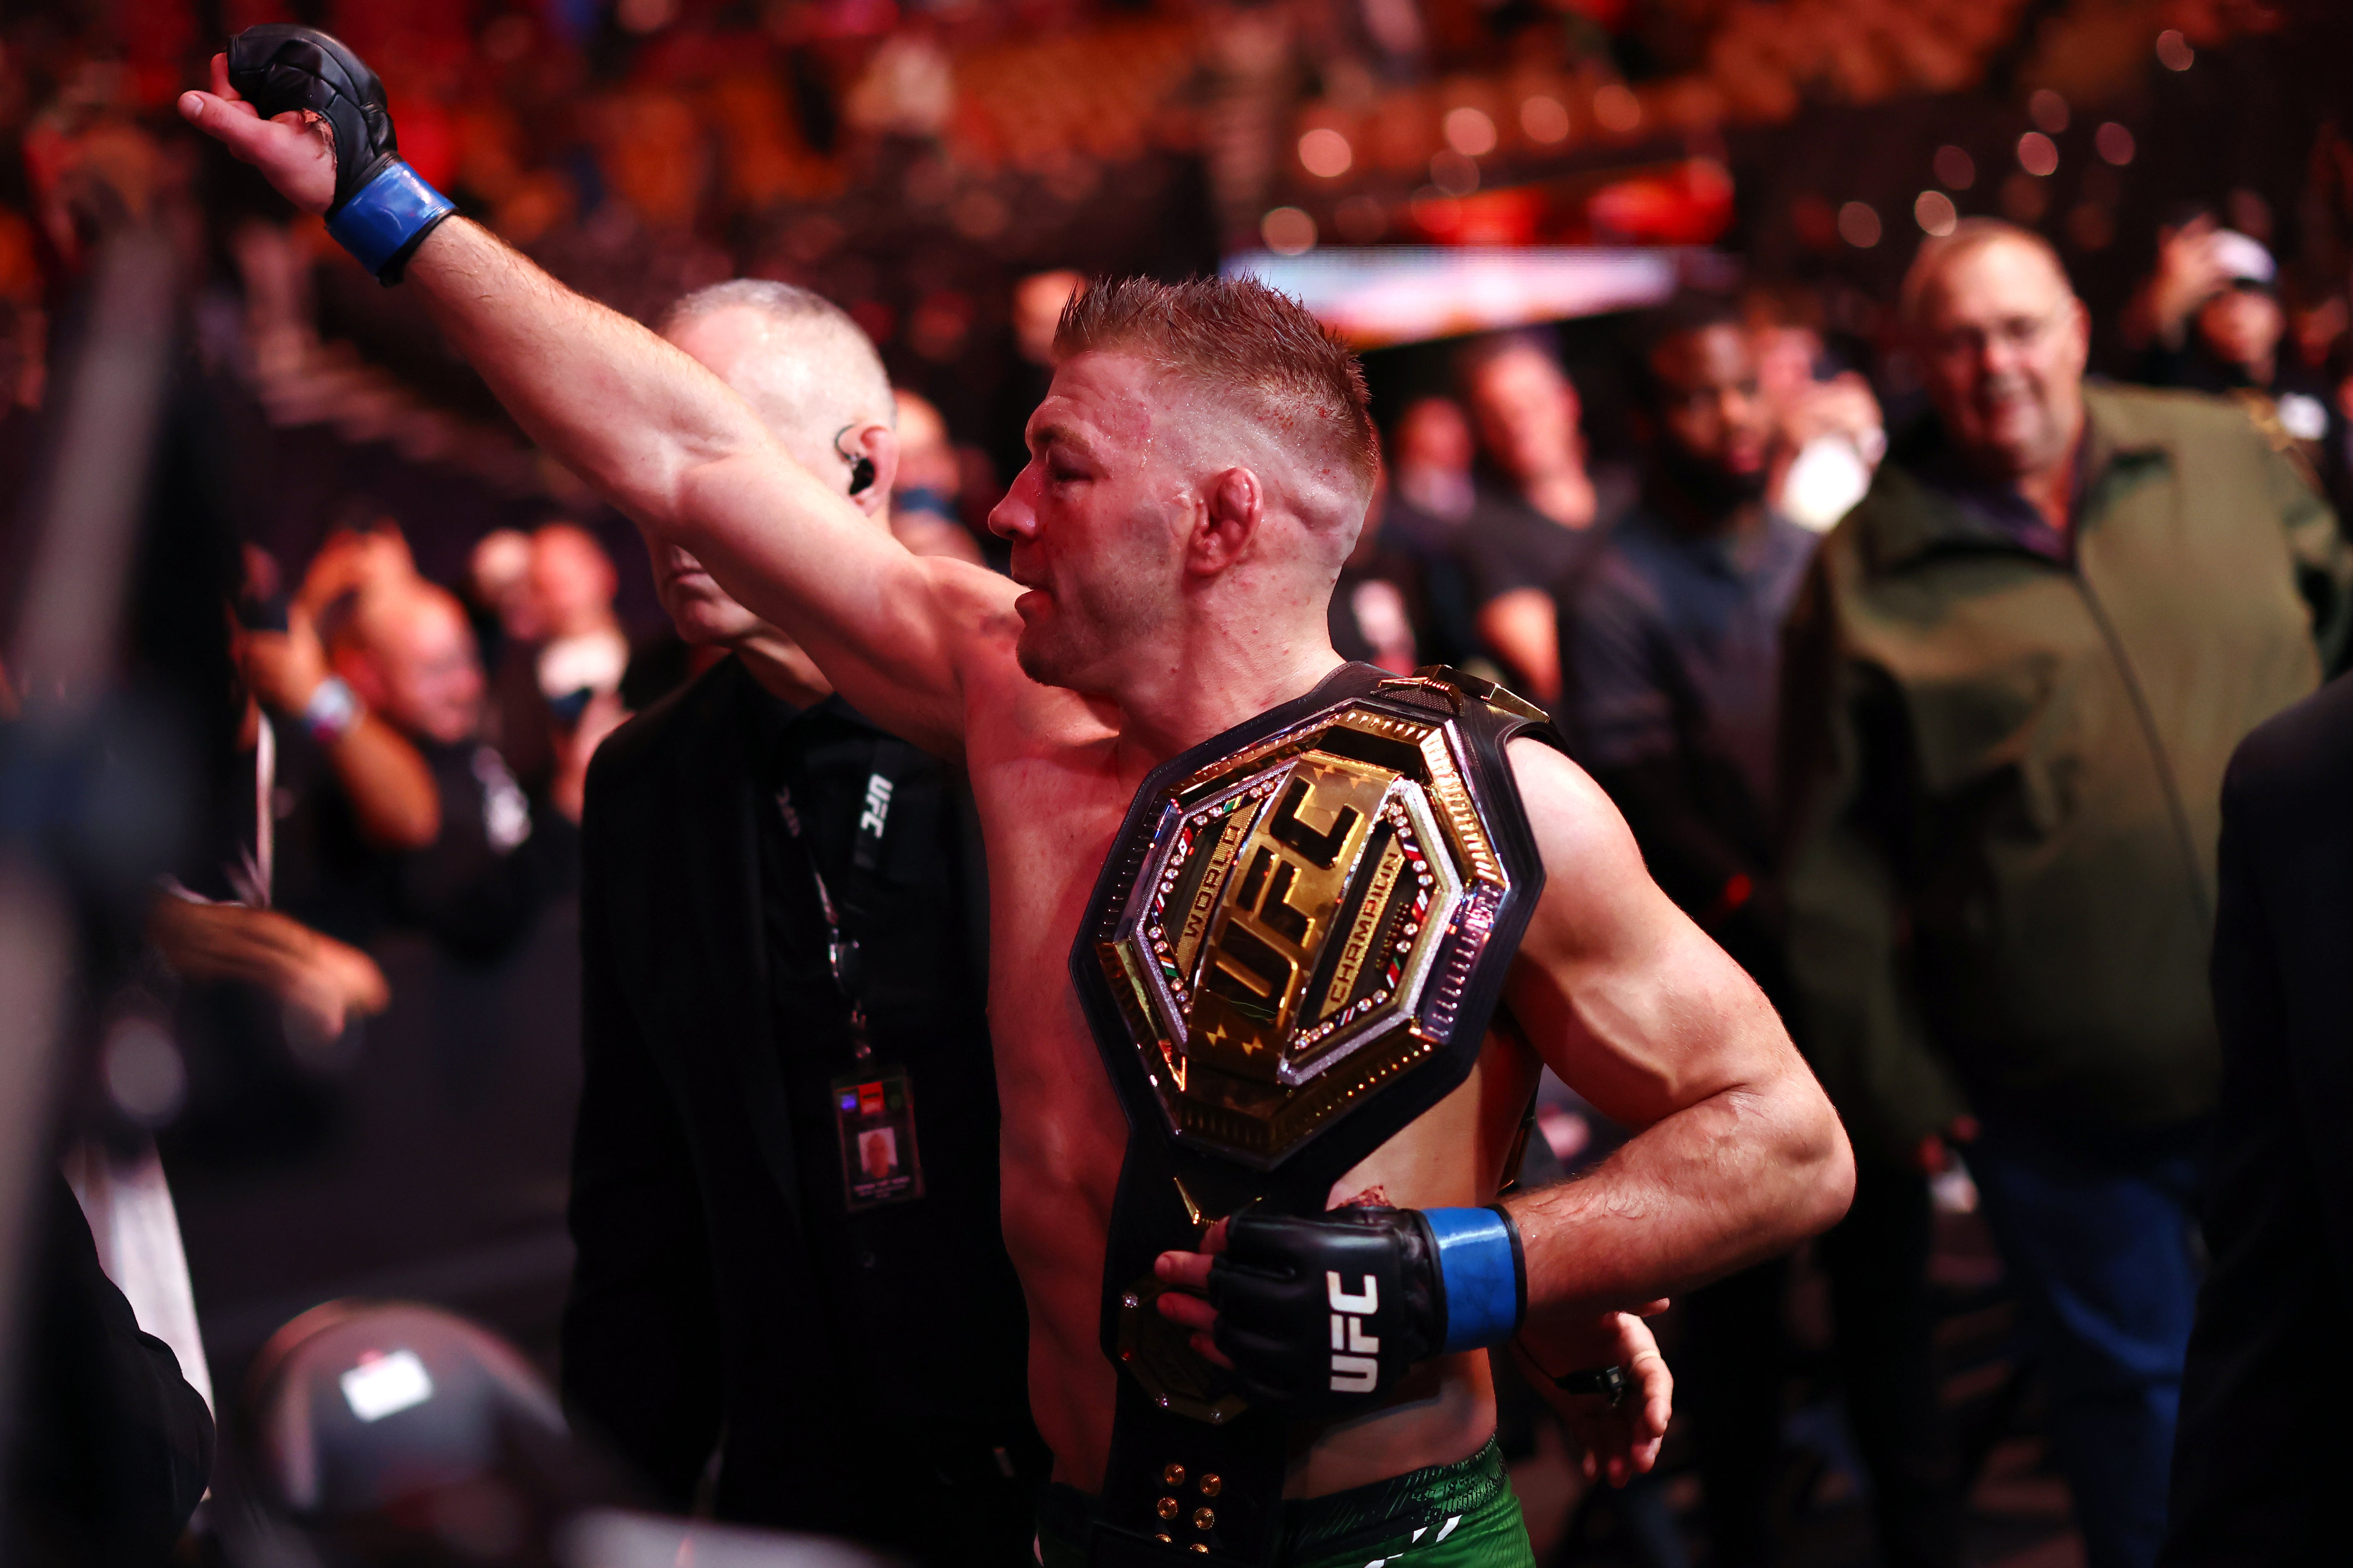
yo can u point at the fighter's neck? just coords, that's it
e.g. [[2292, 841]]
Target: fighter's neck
[[1184, 703]]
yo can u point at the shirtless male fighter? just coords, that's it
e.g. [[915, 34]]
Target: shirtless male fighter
[[1199, 470]]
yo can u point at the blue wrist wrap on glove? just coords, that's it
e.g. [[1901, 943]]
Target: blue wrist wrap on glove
[[1481, 1274], [387, 217]]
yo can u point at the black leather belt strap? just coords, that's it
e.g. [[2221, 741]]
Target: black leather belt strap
[[1194, 1473]]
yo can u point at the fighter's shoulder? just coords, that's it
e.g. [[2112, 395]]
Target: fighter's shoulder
[[972, 596], [1552, 788], [1577, 830]]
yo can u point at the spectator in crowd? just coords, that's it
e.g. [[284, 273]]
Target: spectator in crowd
[[1037, 310], [582, 648], [1670, 651], [393, 802], [1670, 660], [563, 654], [404, 651], [498, 593], [781, 1155], [1370, 617], [923, 512], [1542, 513], [2214, 322], [2015, 676], [1428, 496], [2264, 1445], [1829, 434]]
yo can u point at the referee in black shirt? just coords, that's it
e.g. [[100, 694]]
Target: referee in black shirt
[[784, 1182]]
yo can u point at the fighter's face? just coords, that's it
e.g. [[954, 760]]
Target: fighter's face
[[2003, 340], [1098, 522]]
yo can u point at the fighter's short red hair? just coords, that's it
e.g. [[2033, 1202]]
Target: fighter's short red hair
[[1240, 339]]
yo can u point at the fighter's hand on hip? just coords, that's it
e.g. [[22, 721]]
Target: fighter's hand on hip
[[1327, 1313], [1618, 1437], [294, 151]]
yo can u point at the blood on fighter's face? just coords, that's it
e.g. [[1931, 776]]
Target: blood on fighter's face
[[1096, 523]]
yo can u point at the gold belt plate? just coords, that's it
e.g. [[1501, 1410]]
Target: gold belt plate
[[1301, 924]]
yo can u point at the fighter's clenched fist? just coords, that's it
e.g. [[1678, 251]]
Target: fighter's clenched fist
[[306, 112]]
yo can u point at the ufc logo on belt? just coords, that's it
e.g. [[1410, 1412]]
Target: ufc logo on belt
[[1357, 1372]]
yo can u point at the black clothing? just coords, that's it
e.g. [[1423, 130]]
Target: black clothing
[[1670, 695], [1421, 552], [868, 1369], [113, 1448], [475, 889], [2262, 1444], [1884, 1343], [1508, 545]]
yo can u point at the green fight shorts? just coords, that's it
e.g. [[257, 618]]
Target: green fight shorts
[[1449, 1516]]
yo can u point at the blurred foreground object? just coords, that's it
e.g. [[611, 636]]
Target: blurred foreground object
[[86, 817], [115, 1447], [607, 1538], [2262, 1441], [394, 1432]]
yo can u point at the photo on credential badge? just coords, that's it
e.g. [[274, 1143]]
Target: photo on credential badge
[[874, 1112]]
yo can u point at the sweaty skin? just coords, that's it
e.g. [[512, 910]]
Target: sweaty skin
[[1171, 564]]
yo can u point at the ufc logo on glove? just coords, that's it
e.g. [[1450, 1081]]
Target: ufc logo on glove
[[1357, 1372]]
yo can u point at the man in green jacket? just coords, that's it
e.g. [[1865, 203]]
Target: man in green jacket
[[2014, 679]]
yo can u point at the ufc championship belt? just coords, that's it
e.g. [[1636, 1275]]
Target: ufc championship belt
[[1293, 952]]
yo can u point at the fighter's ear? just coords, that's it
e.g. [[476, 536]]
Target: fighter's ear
[[1233, 505]]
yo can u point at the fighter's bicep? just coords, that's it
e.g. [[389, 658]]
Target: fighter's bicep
[[924, 662], [1616, 989]]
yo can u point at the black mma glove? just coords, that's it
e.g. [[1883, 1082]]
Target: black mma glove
[[382, 210], [1323, 1314]]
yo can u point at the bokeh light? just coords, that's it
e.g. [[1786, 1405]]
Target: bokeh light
[[1956, 169], [2173, 51], [1858, 225], [1325, 153], [1470, 132], [2048, 111], [1288, 231], [2038, 154], [2114, 144], [1617, 109], [1935, 212], [1545, 119], [1452, 173]]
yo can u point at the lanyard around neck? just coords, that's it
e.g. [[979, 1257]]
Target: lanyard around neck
[[844, 957]]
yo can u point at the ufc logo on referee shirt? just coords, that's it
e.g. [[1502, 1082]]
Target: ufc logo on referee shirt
[[1356, 1372], [878, 805]]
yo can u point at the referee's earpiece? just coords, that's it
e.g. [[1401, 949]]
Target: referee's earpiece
[[861, 467]]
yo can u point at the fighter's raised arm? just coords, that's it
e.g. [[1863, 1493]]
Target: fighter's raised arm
[[656, 432]]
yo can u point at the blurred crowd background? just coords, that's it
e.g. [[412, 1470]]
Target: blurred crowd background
[[1478, 191]]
